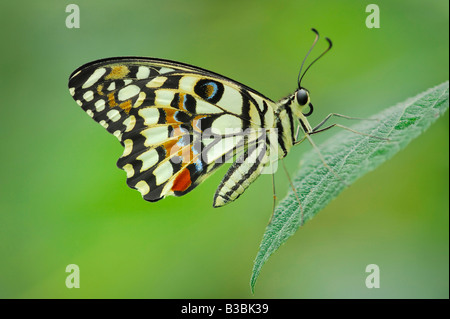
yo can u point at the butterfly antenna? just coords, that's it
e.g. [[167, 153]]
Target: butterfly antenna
[[306, 56], [330, 45]]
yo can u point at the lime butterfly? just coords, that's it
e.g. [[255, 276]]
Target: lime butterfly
[[178, 123]]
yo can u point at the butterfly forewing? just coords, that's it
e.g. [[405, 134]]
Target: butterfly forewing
[[177, 123]]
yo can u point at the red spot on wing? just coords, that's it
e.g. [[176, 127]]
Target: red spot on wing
[[182, 181]]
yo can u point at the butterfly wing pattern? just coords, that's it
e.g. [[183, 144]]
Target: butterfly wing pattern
[[178, 123]]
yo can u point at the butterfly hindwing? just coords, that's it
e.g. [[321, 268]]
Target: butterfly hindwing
[[177, 123]]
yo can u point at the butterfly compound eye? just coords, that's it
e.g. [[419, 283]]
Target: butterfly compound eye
[[302, 97]]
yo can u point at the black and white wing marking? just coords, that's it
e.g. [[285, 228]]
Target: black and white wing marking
[[177, 123]]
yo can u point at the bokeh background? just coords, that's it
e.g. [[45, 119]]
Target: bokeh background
[[63, 200]]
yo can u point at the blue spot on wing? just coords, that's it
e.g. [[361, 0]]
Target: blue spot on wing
[[198, 165], [182, 117]]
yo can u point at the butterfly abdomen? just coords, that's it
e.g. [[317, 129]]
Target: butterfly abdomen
[[242, 173]]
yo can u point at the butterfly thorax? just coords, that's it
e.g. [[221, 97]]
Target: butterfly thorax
[[288, 115]]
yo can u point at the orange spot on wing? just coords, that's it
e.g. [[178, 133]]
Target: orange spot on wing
[[100, 89], [170, 115], [177, 131], [182, 96], [111, 100], [182, 181], [171, 147], [209, 90], [118, 72], [126, 106], [196, 123]]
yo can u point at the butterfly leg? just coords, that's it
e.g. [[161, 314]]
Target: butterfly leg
[[315, 131], [318, 130], [301, 140], [307, 136], [274, 192], [295, 193], [341, 116]]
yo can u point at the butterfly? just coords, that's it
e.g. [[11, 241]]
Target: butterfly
[[179, 123]]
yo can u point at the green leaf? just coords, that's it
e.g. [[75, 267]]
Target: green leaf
[[351, 156]]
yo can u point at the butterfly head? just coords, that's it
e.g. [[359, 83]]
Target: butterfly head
[[303, 100]]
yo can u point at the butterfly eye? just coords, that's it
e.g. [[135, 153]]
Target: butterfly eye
[[302, 97]]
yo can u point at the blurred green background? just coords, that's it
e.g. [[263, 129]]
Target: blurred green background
[[63, 200]]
